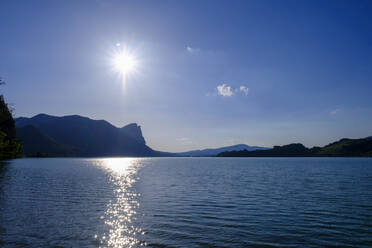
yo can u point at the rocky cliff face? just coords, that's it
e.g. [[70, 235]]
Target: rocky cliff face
[[134, 131]]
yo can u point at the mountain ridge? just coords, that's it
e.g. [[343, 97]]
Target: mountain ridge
[[214, 151], [342, 148], [84, 136]]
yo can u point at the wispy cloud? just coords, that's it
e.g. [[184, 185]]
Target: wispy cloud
[[192, 49], [225, 90], [184, 141], [335, 112]]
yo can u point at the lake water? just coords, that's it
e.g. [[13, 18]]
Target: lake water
[[186, 202]]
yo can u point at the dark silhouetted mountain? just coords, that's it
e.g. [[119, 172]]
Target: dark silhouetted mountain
[[341, 148], [81, 136], [37, 143], [348, 148], [214, 151]]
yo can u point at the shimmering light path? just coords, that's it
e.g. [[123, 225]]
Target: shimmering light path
[[121, 211]]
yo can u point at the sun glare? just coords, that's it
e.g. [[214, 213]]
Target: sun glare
[[124, 62]]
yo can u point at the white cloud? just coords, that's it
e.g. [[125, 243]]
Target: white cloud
[[225, 90], [244, 90]]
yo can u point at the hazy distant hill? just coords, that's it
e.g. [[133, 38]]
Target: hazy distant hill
[[215, 151], [80, 136], [341, 148], [291, 150]]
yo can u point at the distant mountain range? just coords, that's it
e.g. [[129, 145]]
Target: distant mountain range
[[78, 136], [46, 135], [74, 135], [342, 148], [210, 152]]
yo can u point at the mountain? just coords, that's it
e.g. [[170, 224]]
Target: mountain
[[37, 143], [342, 148], [214, 151], [76, 135]]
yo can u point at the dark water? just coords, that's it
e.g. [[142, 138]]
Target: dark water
[[186, 202]]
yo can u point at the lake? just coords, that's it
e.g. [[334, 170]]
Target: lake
[[186, 202]]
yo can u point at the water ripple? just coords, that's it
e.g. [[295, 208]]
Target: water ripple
[[186, 202]]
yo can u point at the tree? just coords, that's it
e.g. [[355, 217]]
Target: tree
[[9, 146]]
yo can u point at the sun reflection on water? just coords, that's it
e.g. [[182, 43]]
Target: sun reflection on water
[[121, 211]]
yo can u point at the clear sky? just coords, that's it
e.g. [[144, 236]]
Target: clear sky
[[208, 74]]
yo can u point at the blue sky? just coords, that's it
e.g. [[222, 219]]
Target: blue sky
[[209, 74]]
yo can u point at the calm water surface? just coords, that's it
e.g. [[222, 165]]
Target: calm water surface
[[186, 202]]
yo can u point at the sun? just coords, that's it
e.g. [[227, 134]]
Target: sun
[[124, 62]]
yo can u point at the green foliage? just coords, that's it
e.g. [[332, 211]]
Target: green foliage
[[9, 146]]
